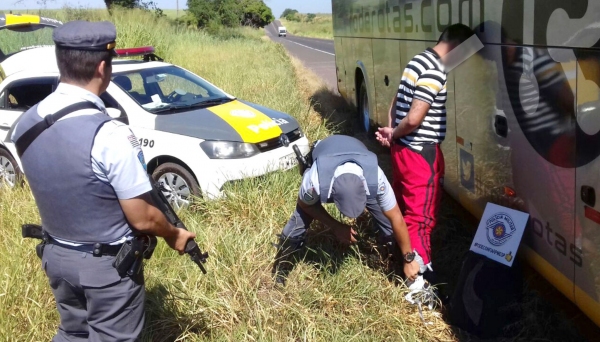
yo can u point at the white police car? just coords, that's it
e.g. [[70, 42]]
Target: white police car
[[195, 137]]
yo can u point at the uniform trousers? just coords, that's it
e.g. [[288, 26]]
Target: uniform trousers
[[300, 222], [418, 178], [94, 302]]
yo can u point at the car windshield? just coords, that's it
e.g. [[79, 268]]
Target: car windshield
[[168, 89], [15, 41]]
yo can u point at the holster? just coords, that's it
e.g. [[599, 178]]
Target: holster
[[129, 260], [34, 231], [39, 248]]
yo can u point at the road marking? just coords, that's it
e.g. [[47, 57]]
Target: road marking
[[308, 47]]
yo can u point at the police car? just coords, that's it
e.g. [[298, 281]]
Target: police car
[[195, 137]]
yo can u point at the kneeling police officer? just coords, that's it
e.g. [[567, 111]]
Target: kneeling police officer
[[89, 180], [346, 173]]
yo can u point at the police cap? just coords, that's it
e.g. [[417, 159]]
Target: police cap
[[349, 195], [87, 36]]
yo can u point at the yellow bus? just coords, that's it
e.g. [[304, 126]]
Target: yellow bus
[[523, 114]]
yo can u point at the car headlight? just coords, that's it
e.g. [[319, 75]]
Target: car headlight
[[228, 149]]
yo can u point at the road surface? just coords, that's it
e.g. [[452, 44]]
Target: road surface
[[317, 54]]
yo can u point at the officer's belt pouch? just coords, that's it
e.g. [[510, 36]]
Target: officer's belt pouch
[[39, 249], [128, 254]]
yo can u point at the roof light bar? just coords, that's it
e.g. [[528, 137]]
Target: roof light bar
[[137, 51]]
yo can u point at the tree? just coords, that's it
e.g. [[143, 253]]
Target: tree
[[310, 17], [121, 3], [287, 12], [256, 13], [230, 13], [203, 11]]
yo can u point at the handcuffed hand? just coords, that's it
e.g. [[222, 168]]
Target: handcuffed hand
[[385, 136]]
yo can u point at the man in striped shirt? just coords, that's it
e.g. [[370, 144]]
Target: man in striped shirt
[[417, 128]]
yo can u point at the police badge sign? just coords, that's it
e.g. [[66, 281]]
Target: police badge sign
[[499, 233], [500, 228]]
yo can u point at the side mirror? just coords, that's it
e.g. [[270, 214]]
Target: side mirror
[[114, 113]]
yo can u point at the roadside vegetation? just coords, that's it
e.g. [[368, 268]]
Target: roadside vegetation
[[307, 25], [334, 295]]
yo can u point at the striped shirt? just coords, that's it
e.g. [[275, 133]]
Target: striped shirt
[[534, 84], [424, 79]]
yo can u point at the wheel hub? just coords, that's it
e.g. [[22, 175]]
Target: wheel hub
[[7, 172], [175, 189]]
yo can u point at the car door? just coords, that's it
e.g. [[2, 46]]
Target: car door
[[20, 95]]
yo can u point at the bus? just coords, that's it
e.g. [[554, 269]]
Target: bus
[[523, 114]]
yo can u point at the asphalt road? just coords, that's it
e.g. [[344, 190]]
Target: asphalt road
[[317, 54]]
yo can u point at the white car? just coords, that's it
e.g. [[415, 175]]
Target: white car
[[195, 137]]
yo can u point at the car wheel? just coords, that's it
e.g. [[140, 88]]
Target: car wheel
[[10, 173], [178, 183], [363, 107]]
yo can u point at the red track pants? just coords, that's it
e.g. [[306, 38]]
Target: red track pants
[[417, 184]]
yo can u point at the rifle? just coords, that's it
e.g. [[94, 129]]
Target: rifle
[[161, 202], [303, 164]]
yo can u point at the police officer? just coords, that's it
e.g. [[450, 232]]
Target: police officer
[[346, 173], [88, 178]]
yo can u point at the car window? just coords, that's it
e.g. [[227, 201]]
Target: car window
[[24, 94], [170, 86], [14, 41]]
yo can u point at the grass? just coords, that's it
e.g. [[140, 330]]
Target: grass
[[320, 27], [335, 295]]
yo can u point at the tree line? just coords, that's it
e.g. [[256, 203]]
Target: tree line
[[212, 13]]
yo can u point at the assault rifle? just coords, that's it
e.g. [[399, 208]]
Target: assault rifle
[[161, 202], [303, 163]]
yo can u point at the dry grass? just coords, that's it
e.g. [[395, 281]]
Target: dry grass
[[334, 295], [320, 27]]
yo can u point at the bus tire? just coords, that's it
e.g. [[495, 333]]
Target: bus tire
[[364, 112]]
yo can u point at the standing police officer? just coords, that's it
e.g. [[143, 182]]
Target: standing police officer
[[346, 173], [88, 178]]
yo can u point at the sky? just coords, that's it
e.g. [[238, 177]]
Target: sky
[[277, 6]]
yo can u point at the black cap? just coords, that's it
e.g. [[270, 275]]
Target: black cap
[[85, 35], [349, 194]]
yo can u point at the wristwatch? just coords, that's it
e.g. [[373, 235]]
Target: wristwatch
[[409, 257]]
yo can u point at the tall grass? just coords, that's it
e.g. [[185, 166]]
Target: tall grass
[[320, 27], [335, 295]]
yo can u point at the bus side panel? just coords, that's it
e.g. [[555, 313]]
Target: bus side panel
[[339, 65], [585, 254], [349, 60], [540, 110], [449, 147], [482, 156], [388, 72]]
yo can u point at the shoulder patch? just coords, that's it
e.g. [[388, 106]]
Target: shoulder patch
[[133, 140], [142, 160], [381, 188]]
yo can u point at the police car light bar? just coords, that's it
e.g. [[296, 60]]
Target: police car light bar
[[137, 51]]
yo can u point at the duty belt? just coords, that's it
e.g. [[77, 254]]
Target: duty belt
[[96, 249]]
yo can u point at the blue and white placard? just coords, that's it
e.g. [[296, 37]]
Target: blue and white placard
[[499, 233]]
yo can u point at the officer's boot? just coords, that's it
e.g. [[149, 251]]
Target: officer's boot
[[285, 257]]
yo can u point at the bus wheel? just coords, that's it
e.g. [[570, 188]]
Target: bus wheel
[[363, 107]]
